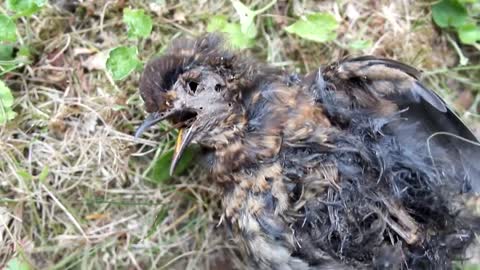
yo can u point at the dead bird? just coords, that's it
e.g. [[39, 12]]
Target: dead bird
[[355, 166]]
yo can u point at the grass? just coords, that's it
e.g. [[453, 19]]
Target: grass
[[73, 188]]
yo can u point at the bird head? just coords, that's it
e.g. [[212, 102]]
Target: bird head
[[194, 85]]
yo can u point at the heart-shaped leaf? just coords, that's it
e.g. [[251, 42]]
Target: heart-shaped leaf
[[8, 29], [449, 13], [138, 23], [122, 61], [320, 27]]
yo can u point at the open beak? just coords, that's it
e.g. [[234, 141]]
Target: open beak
[[151, 120], [184, 137], [183, 140]]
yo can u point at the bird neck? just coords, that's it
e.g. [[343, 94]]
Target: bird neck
[[273, 116]]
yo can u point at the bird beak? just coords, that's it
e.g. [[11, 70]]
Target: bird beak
[[185, 135], [151, 120], [183, 140]]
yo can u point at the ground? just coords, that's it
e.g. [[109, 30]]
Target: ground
[[74, 187]]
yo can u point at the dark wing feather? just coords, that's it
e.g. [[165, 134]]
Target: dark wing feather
[[404, 77], [370, 60], [381, 88]]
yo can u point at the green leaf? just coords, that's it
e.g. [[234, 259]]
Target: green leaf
[[122, 61], [24, 51], [160, 170], [360, 44], [6, 52], [6, 97], [320, 27], [236, 37], [469, 33], [9, 115], [17, 264], [449, 13], [138, 24], [43, 174], [233, 32], [247, 17], [24, 175], [25, 7], [217, 23], [8, 29], [6, 102], [9, 61]]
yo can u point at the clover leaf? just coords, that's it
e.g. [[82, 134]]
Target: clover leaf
[[122, 61], [138, 23], [320, 27]]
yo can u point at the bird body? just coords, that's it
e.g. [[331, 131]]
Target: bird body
[[337, 169]]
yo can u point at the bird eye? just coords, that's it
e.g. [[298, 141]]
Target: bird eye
[[193, 86], [218, 87]]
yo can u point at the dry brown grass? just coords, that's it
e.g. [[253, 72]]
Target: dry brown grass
[[73, 188]]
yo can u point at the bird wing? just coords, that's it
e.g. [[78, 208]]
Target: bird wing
[[381, 88]]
